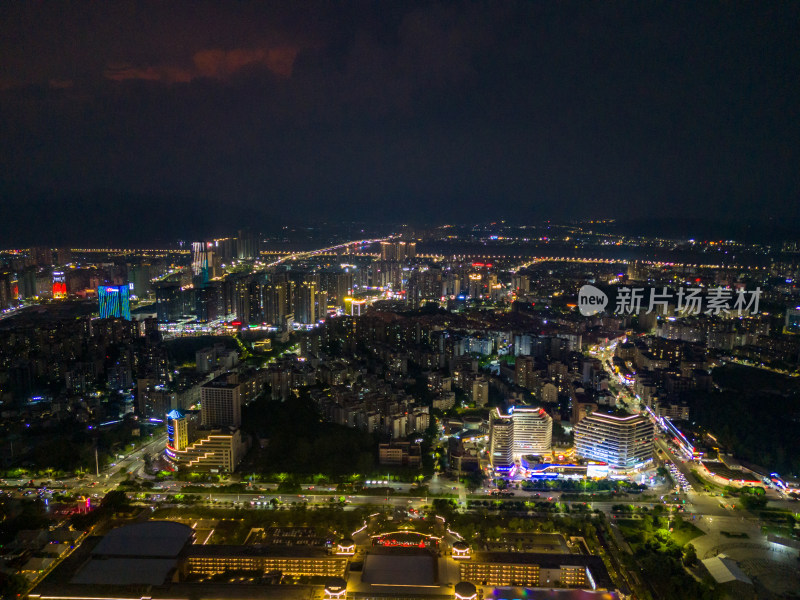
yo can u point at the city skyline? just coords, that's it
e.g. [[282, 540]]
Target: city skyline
[[414, 300], [444, 391]]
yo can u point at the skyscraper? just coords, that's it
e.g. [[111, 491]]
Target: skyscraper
[[533, 430], [275, 303], [524, 367], [344, 287], [206, 302], [387, 251], [310, 304], [114, 302], [7, 296], [177, 431], [622, 442], [203, 261], [169, 302], [41, 256], [59, 285], [140, 276], [501, 443], [64, 256], [220, 403], [246, 245]]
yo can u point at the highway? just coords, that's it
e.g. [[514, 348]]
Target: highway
[[109, 478], [305, 254]]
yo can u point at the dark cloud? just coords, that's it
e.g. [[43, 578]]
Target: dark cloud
[[412, 111], [212, 63]]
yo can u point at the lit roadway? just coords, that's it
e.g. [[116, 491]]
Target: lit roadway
[[527, 260], [300, 255], [110, 476]]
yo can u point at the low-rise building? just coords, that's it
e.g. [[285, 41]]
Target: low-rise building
[[400, 454]]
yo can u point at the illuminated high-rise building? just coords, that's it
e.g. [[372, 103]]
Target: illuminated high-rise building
[[310, 304], [169, 302], [521, 284], [114, 302], [398, 251], [226, 249], [7, 296], [344, 287], [476, 285], [177, 431], [524, 367], [424, 287], [241, 301], [221, 403], [203, 266], [206, 303], [59, 285], [533, 430], [275, 303], [27, 283], [622, 442], [501, 442]]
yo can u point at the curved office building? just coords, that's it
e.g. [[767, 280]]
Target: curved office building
[[625, 443]]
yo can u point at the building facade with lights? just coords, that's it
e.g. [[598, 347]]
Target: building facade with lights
[[114, 302], [624, 443], [523, 431], [501, 443], [214, 451], [177, 431], [535, 570], [533, 431], [221, 403], [212, 560]]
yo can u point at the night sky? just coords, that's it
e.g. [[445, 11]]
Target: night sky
[[154, 121]]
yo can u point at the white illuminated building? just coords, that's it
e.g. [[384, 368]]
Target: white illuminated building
[[625, 443], [533, 431], [501, 443], [524, 431]]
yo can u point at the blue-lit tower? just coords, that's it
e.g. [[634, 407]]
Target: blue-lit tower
[[177, 431], [114, 301]]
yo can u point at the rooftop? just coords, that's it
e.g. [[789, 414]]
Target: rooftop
[[399, 569], [125, 571], [549, 561], [725, 570], [211, 551], [152, 539]]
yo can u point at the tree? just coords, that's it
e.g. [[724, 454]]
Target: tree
[[474, 480], [751, 502], [12, 585], [689, 555], [115, 500]]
